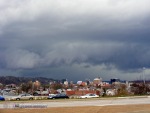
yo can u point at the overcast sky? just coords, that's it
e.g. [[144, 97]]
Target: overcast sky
[[75, 39]]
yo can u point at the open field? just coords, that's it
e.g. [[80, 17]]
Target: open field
[[108, 105], [145, 108]]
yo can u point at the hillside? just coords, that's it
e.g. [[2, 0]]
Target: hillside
[[19, 80]]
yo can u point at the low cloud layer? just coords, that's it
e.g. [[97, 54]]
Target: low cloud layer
[[75, 39]]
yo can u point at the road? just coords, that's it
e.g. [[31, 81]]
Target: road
[[80, 102]]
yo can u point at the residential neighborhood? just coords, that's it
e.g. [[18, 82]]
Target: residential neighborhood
[[113, 87]]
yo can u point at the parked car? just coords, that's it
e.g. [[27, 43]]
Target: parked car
[[89, 95], [2, 98], [58, 96], [52, 94], [39, 92], [23, 97], [36, 94]]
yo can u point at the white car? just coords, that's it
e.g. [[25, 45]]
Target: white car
[[89, 95], [23, 97]]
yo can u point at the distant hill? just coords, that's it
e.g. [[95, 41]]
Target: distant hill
[[18, 80]]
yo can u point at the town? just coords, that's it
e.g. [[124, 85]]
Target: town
[[114, 87]]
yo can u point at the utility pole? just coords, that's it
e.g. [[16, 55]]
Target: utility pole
[[144, 75], [144, 79]]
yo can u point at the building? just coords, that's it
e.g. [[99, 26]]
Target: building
[[97, 81], [114, 80]]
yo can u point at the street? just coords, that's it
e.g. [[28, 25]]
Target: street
[[80, 102]]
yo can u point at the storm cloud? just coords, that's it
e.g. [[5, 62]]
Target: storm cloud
[[75, 39]]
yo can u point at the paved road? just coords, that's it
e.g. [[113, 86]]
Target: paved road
[[85, 102]]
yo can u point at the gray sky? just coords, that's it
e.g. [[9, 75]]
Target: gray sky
[[75, 39]]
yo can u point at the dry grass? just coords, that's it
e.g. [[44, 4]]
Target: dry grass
[[100, 109]]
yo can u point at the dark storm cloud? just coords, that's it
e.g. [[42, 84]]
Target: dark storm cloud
[[93, 36]]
